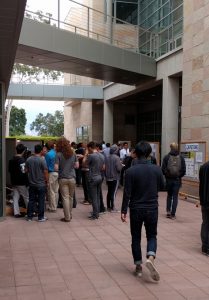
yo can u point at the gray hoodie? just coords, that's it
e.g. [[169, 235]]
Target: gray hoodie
[[113, 164]]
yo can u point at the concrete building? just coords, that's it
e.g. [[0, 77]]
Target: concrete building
[[151, 108], [157, 91]]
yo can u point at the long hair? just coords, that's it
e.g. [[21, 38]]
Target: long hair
[[63, 146]]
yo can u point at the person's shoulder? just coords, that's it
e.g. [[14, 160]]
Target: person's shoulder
[[205, 165]]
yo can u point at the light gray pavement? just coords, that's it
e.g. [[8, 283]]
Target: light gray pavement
[[92, 259]]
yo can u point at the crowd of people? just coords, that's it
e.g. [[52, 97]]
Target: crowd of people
[[53, 171]]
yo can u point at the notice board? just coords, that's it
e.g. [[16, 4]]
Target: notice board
[[194, 154]]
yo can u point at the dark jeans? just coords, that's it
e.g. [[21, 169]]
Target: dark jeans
[[36, 194], [148, 217], [94, 192], [84, 175], [173, 186], [205, 229], [112, 189], [78, 173]]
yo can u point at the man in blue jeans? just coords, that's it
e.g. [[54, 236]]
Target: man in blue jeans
[[142, 183], [174, 168], [37, 170]]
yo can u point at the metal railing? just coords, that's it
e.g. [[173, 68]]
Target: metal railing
[[92, 23], [98, 25]]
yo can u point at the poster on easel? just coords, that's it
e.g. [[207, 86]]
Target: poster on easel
[[194, 154]]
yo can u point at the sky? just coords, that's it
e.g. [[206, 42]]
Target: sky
[[33, 107]]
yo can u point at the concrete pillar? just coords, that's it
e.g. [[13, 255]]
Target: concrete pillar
[[109, 19], [2, 153], [108, 122], [170, 107]]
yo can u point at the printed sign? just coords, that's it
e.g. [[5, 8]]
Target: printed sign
[[192, 147]]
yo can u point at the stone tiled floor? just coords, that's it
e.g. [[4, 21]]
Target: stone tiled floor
[[92, 259]]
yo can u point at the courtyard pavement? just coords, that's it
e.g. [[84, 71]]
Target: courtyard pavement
[[92, 260]]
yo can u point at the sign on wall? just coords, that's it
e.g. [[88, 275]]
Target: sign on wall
[[194, 155]]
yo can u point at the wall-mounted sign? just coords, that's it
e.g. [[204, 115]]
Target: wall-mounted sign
[[192, 147]]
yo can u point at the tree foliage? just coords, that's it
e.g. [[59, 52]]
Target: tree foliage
[[31, 74], [17, 121], [49, 125]]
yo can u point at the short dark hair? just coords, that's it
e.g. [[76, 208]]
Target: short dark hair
[[20, 148], [38, 148], [91, 145], [143, 149], [50, 145], [99, 146]]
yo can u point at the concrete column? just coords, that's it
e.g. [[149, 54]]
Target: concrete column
[[170, 107], [2, 153], [109, 19], [108, 122]]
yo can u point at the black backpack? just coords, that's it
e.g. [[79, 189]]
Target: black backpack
[[174, 166]]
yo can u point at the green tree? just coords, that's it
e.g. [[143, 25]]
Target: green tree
[[30, 74], [17, 121], [49, 125]]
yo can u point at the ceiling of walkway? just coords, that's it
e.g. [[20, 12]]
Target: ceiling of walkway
[[144, 97], [11, 16]]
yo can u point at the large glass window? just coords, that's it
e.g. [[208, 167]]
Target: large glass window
[[126, 10], [163, 20]]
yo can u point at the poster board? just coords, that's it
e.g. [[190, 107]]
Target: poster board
[[155, 151], [194, 154]]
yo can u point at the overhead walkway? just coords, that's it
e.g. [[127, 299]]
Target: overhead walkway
[[57, 49], [53, 92]]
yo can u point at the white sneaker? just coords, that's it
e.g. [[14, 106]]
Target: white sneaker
[[44, 219], [153, 271], [138, 271]]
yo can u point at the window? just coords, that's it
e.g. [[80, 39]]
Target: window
[[126, 10]]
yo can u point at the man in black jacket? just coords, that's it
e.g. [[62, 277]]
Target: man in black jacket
[[19, 179], [174, 168], [142, 183], [204, 202]]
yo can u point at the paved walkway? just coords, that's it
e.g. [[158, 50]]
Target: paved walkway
[[92, 259]]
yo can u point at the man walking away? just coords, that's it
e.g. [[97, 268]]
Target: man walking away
[[204, 202], [142, 183], [174, 168], [19, 179], [38, 180], [113, 168], [95, 161]]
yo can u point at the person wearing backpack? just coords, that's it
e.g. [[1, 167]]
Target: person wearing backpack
[[174, 168]]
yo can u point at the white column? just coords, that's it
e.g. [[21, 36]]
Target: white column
[[108, 122], [170, 107]]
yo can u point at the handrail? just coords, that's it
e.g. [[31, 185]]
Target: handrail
[[48, 20], [92, 23]]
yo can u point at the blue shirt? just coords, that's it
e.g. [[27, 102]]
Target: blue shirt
[[50, 159]]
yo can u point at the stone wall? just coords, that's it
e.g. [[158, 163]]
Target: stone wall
[[195, 100]]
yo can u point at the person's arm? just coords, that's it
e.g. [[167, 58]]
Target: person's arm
[[46, 176], [161, 181], [56, 164], [126, 196], [164, 165], [183, 166], [76, 163], [119, 165]]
